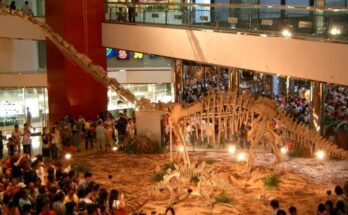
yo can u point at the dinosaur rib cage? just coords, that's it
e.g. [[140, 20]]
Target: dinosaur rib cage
[[231, 112]]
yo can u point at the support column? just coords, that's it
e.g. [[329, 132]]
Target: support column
[[234, 80], [178, 82], [317, 105], [70, 89]]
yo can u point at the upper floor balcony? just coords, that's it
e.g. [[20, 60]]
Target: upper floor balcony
[[312, 23]]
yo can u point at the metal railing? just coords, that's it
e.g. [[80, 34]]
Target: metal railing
[[37, 7], [288, 21]]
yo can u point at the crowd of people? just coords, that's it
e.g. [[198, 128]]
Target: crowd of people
[[197, 89], [297, 106], [69, 134], [41, 185], [32, 186], [333, 206], [336, 104]]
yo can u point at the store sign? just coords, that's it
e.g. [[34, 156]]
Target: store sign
[[110, 52], [122, 55], [137, 55]]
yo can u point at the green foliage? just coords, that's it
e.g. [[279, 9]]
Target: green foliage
[[80, 169], [167, 166], [224, 198], [194, 179], [157, 176], [271, 181], [210, 161], [158, 149], [131, 149], [333, 158], [295, 154]]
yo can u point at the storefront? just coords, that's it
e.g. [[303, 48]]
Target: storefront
[[15, 101]]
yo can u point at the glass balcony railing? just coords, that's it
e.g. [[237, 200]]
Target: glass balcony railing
[[329, 24], [37, 6]]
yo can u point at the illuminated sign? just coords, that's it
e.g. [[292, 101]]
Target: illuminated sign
[[110, 53], [137, 55], [122, 55]]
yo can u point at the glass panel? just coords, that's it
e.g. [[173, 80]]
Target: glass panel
[[42, 54], [298, 2], [13, 104], [330, 24], [336, 3]]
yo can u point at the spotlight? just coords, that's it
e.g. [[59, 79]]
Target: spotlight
[[232, 149], [181, 149], [67, 156], [320, 154], [283, 150], [241, 156], [335, 31], [286, 33], [114, 148], [136, 109]]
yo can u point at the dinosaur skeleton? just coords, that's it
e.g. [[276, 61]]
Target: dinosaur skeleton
[[175, 181], [229, 111]]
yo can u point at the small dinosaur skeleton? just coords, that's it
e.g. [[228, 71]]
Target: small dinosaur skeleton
[[175, 180]]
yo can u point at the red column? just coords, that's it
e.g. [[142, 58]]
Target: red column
[[70, 89]]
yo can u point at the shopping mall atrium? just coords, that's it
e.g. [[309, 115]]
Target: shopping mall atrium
[[174, 107]]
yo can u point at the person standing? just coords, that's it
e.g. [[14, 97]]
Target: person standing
[[16, 135], [13, 5], [88, 134], [26, 141], [100, 136], [55, 139], [130, 128], [66, 136], [29, 117], [2, 138], [27, 9], [45, 138], [131, 12], [121, 126]]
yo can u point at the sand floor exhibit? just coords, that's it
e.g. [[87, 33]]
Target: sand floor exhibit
[[304, 182]]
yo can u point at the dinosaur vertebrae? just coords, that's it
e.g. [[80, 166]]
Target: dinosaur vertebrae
[[231, 112], [96, 71]]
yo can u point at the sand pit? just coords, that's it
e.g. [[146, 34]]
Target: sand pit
[[303, 182]]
